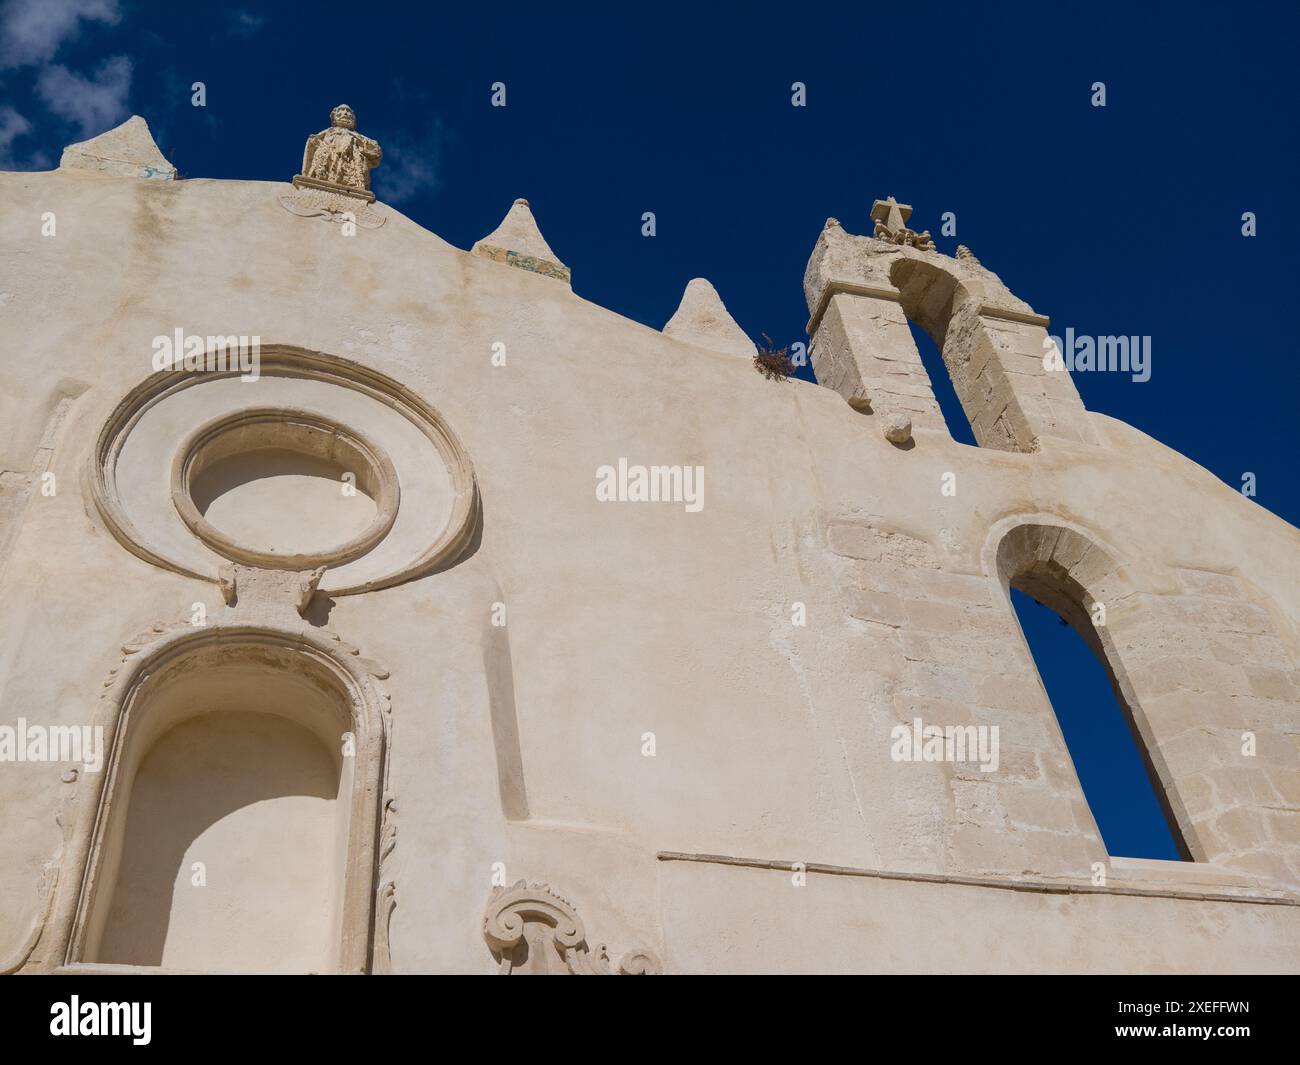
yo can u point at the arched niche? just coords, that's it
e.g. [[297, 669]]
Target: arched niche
[[259, 754], [1068, 570]]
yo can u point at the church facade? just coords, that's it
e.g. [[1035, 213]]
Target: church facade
[[369, 605]]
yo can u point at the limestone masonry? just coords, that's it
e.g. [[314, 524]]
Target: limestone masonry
[[371, 605]]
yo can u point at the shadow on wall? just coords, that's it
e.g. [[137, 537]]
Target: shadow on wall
[[229, 849], [499, 670]]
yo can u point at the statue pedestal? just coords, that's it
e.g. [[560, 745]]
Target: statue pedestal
[[300, 182]]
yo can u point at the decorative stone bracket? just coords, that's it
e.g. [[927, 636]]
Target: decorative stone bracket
[[532, 931], [269, 587], [311, 202]]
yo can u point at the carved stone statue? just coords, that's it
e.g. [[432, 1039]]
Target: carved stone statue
[[339, 159]]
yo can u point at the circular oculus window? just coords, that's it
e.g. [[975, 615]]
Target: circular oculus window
[[284, 489]]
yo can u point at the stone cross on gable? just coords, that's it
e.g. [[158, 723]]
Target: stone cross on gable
[[892, 214], [891, 218]]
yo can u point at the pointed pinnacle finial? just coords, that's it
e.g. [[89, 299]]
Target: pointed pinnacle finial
[[518, 242], [127, 150], [702, 319]]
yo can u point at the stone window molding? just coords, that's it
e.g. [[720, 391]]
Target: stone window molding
[[440, 549], [266, 428], [1161, 629], [1068, 570]]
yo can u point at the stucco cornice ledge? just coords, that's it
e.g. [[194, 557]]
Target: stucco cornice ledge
[[986, 310], [989, 310], [834, 288], [1050, 887]]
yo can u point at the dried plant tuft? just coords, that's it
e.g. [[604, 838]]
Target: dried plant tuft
[[773, 363]]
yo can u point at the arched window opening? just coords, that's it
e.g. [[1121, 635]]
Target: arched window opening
[[927, 296], [1059, 583], [1110, 758]]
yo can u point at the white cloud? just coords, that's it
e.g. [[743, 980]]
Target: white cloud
[[32, 31], [245, 23], [409, 168], [12, 126], [94, 103]]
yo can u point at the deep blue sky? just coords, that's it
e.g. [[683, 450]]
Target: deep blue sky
[[1121, 794], [1117, 220], [1122, 220]]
